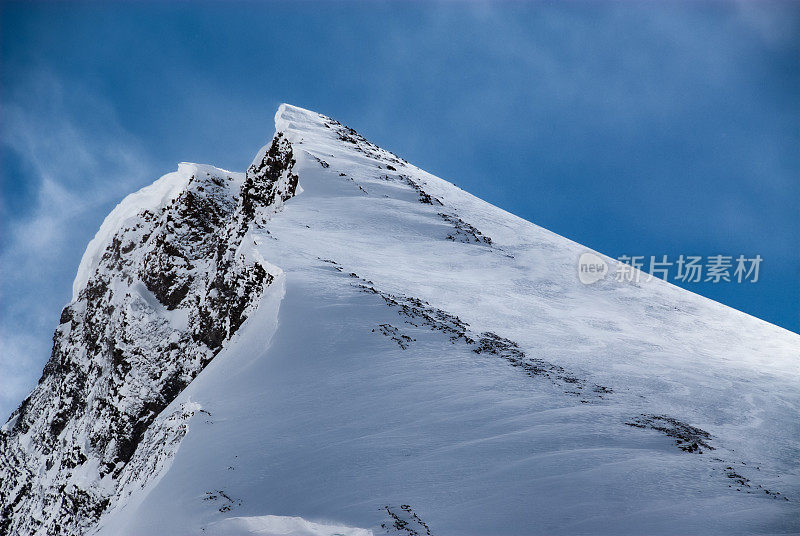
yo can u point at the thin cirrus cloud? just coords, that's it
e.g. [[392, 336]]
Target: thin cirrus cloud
[[76, 162]]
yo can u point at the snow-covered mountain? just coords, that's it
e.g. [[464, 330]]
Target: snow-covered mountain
[[337, 342]]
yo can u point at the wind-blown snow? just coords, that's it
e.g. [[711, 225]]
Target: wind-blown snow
[[152, 197], [280, 526], [425, 363]]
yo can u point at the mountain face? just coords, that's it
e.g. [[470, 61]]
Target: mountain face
[[337, 342], [161, 289]]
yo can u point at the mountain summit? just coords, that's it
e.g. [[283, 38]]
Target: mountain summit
[[337, 342]]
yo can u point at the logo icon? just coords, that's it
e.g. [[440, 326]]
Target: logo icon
[[591, 268]]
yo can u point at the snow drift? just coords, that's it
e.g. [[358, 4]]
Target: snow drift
[[337, 342]]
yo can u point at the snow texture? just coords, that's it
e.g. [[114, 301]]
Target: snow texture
[[337, 342]]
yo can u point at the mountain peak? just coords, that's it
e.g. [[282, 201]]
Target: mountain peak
[[331, 331], [293, 118]]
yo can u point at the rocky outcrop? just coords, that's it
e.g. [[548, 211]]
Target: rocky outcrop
[[166, 292]]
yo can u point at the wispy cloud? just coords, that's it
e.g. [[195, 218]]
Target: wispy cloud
[[75, 160], [775, 21]]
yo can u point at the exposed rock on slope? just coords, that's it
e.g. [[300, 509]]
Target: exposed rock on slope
[[164, 292]]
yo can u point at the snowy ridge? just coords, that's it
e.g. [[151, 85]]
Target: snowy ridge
[[153, 198], [387, 354], [294, 121]]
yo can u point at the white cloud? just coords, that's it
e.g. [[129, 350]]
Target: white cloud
[[79, 161]]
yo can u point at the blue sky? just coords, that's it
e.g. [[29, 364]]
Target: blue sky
[[635, 129]]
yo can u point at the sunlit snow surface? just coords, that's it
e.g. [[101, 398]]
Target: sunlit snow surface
[[280, 525], [332, 403]]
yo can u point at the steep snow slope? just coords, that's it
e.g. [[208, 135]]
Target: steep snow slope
[[421, 362]]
